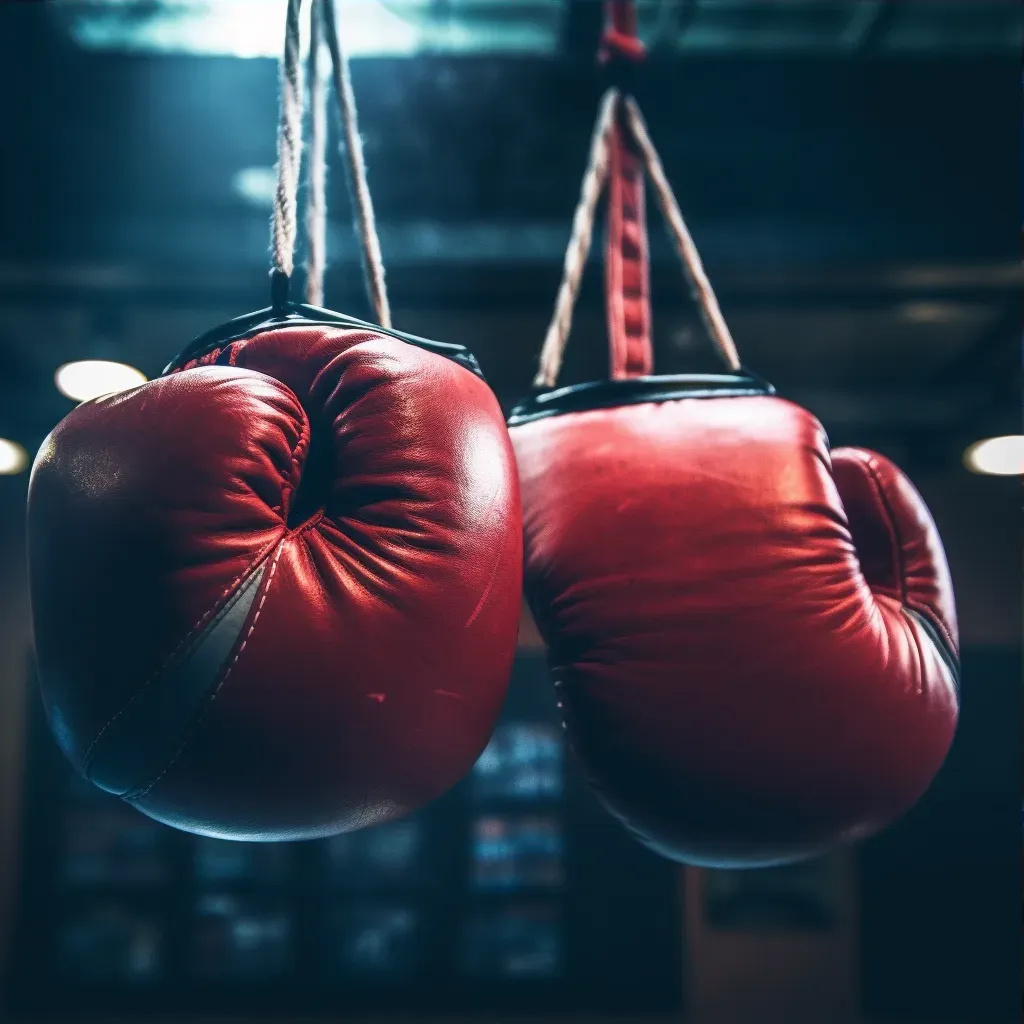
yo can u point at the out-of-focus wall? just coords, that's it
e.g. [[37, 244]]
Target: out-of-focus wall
[[14, 647], [978, 518]]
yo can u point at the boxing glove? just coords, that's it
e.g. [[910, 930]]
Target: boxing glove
[[753, 640], [276, 592]]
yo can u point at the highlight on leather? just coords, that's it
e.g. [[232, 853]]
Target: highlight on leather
[[276, 592], [753, 640], [280, 598], [754, 653]]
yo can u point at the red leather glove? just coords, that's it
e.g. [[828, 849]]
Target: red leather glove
[[278, 598], [754, 643]]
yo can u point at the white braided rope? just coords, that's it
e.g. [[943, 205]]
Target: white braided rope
[[700, 286], [289, 145], [373, 261], [316, 201], [578, 251]]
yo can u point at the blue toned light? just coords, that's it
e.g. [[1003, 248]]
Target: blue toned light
[[523, 761], [222, 860], [232, 28], [514, 941], [256, 186], [391, 850], [512, 853], [255, 28], [379, 939]]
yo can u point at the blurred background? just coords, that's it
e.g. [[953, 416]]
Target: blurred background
[[851, 173]]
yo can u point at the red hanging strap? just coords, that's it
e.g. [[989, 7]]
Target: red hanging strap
[[621, 152], [620, 37], [627, 262]]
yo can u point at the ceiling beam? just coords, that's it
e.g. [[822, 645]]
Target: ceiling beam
[[869, 21], [59, 285], [1001, 339]]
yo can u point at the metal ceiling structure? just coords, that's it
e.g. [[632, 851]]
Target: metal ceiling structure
[[849, 170], [377, 27]]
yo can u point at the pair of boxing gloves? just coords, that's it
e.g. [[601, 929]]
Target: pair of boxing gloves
[[276, 595]]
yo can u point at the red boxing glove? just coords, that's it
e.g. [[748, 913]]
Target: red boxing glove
[[278, 597], [754, 643]]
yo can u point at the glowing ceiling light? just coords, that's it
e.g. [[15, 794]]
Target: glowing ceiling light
[[92, 378], [256, 185], [255, 28], [997, 456], [236, 28], [13, 458]]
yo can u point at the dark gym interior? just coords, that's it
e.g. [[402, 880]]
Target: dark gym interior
[[850, 172]]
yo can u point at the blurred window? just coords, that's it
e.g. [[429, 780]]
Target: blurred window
[[460, 907]]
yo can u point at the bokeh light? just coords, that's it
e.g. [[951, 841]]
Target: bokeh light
[[13, 458], [997, 456], [91, 378]]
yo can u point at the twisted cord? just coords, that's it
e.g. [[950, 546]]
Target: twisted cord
[[594, 178], [289, 147], [373, 261], [700, 286], [316, 202]]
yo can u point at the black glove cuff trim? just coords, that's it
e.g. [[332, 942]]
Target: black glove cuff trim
[[946, 652], [607, 394], [300, 315]]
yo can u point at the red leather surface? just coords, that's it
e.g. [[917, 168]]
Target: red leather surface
[[627, 263], [900, 550], [377, 656], [737, 690]]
